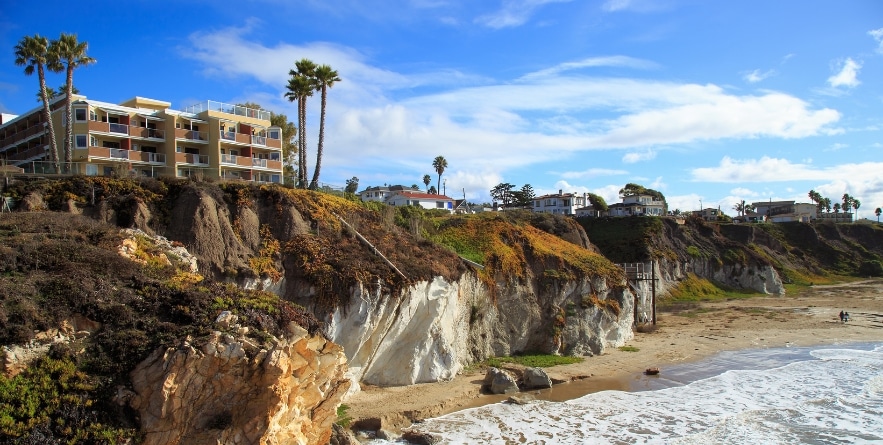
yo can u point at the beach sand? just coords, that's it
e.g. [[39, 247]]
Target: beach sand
[[684, 333]]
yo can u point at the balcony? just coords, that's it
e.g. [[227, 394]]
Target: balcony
[[190, 158], [119, 128], [228, 159], [259, 140], [191, 135], [142, 132], [119, 154]]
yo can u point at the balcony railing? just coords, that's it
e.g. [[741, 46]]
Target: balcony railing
[[119, 153], [259, 140], [228, 159], [228, 135], [229, 109], [119, 128], [197, 159], [255, 162]]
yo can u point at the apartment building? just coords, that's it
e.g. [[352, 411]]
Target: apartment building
[[146, 137], [560, 203]]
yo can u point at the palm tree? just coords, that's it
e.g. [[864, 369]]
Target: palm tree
[[325, 77], [32, 52], [426, 180], [67, 53], [855, 205], [300, 86], [878, 212], [439, 164]]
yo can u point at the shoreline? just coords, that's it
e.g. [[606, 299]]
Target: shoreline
[[685, 334]]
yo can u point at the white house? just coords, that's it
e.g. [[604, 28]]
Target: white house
[[637, 205], [561, 203], [786, 211], [425, 200], [380, 193]]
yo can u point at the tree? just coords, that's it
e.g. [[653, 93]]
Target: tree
[[57, 92], [598, 203], [432, 191], [32, 53], [855, 205], [877, 212], [324, 78], [816, 197], [301, 85], [739, 207], [527, 194], [439, 164], [836, 207], [847, 203], [826, 204], [67, 54], [502, 193], [426, 180], [352, 185]]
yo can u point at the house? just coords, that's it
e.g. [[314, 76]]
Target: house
[[560, 203], [637, 205], [380, 193], [786, 211], [146, 137], [415, 198], [708, 214]]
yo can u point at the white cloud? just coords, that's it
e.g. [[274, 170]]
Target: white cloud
[[638, 156], [634, 5], [593, 173], [877, 34], [837, 146], [847, 76], [514, 13], [591, 62], [756, 75], [767, 169], [742, 191]]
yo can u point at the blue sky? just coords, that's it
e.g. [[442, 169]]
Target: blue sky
[[708, 102]]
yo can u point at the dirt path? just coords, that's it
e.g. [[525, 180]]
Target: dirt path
[[686, 332]]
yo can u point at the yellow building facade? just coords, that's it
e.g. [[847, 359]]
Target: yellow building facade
[[146, 137]]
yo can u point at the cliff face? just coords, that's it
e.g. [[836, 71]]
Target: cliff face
[[433, 329], [225, 389]]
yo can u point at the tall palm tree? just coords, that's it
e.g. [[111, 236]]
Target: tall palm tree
[[32, 53], [426, 180], [67, 54], [439, 164], [300, 86], [325, 78]]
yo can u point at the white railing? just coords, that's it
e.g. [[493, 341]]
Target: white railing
[[259, 140], [156, 134], [119, 153], [228, 159], [228, 135], [229, 109], [255, 162], [195, 135], [197, 159], [156, 157]]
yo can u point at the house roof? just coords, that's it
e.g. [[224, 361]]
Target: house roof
[[421, 195], [772, 203], [557, 195]]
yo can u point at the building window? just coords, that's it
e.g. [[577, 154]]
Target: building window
[[80, 140], [80, 114]]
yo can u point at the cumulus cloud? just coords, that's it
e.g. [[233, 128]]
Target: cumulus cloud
[[514, 13], [633, 5], [768, 169], [847, 76], [742, 191]]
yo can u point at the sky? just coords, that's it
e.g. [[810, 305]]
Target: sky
[[708, 102]]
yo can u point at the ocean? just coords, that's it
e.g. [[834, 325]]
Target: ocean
[[818, 395]]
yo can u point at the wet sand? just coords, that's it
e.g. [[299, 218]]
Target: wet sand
[[684, 334]]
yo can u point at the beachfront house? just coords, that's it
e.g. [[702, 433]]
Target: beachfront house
[[415, 198], [560, 203], [787, 211], [637, 205]]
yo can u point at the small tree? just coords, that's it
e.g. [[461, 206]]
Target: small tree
[[426, 180], [877, 212], [352, 185], [439, 164]]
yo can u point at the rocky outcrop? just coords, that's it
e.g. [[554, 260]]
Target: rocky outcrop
[[227, 389], [433, 329], [535, 378], [499, 381]]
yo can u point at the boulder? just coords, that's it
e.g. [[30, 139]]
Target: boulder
[[498, 381], [536, 378], [418, 438]]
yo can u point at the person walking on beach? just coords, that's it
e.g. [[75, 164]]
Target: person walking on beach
[[841, 316], [845, 317]]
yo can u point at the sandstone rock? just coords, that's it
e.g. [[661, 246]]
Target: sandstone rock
[[419, 438], [536, 378], [212, 391], [342, 436], [521, 399]]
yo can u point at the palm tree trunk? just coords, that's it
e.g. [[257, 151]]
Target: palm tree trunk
[[69, 136], [314, 184], [302, 178], [53, 145]]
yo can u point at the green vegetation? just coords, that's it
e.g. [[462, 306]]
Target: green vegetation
[[343, 417], [624, 240], [694, 288], [628, 349], [533, 360]]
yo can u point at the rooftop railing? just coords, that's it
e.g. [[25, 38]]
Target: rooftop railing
[[237, 110]]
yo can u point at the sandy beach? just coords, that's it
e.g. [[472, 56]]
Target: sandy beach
[[684, 333]]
